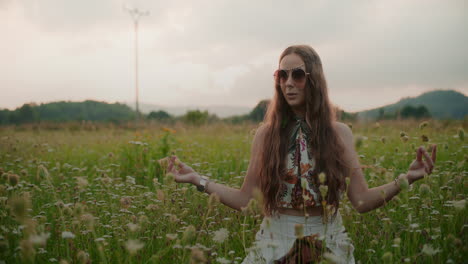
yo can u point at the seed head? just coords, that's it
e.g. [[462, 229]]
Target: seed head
[[323, 190], [82, 257], [220, 235], [197, 256], [160, 195], [133, 245], [13, 179], [322, 177], [125, 202]]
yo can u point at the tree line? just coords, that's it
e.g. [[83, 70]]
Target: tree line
[[104, 112]]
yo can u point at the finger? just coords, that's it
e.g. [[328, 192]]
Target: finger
[[428, 160], [419, 154], [434, 153]]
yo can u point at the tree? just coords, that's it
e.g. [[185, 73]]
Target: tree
[[196, 117], [258, 113], [159, 115]]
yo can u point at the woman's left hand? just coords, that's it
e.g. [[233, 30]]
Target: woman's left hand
[[419, 168]]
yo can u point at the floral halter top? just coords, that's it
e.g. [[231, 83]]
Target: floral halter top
[[299, 171]]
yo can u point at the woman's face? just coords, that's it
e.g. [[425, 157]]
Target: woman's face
[[293, 89]]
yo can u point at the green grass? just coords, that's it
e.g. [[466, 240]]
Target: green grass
[[106, 188]]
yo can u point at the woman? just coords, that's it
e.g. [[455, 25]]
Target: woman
[[299, 161]]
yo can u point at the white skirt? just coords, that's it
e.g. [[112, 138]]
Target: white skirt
[[277, 236]]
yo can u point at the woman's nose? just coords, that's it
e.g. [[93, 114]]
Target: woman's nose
[[289, 80]]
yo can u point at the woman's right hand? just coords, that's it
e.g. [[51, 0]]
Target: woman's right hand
[[182, 172]]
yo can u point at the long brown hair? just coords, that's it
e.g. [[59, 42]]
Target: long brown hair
[[327, 148]]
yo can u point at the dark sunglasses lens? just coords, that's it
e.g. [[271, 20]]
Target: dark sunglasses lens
[[298, 74], [281, 76]]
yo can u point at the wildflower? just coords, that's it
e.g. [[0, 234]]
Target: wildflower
[[81, 182], [166, 129], [461, 134], [13, 179], [423, 125], [133, 245], [130, 180], [132, 227], [40, 239], [106, 179], [397, 241], [223, 261], [299, 230], [429, 250], [152, 207], [160, 195], [424, 138], [404, 138], [323, 190], [322, 178], [67, 234], [171, 236], [221, 235], [82, 257], [197, 256], [459, 205], [125, 202]]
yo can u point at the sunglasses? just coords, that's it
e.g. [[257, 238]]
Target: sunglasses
[[297, 74]]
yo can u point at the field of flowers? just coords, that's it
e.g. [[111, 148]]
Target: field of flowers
[[75, 195]]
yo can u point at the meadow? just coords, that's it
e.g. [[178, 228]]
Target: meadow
[[89, 193]]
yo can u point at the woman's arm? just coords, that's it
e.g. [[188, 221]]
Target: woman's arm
[[364, 199], [234, 198]]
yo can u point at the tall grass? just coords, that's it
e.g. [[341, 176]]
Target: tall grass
[[74, 195]]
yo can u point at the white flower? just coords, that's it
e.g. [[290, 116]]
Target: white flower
[[429, 250], [39, 239], [459, 205], [221, 235], [133, 246], [223, 261], [130, 180], [67, 234]]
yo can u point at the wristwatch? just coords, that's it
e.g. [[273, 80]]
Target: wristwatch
[[202, 185]]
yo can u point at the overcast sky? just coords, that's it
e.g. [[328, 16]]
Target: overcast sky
[[221, 52]]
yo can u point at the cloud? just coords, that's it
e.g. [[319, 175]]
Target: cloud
[[225, 51]]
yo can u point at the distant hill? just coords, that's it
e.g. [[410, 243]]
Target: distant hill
[[220, 110], [67, 111], [442, 104]]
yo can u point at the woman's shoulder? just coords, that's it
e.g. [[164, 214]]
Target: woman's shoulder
[[343, 131]]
